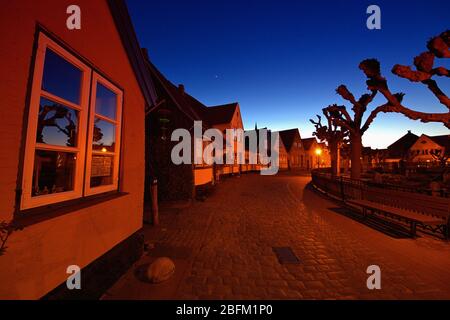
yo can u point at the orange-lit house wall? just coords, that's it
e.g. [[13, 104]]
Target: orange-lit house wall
[[36, 257], [295, 154], [421, 150], [235, 123], [203, 176], [283, 156], [314, 160]]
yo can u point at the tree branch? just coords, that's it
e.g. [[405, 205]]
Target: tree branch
[[439, 45], [340, 111], [383, 108], [371, 68], [441, 96]]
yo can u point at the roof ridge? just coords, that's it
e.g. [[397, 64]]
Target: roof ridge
[[179, 100]]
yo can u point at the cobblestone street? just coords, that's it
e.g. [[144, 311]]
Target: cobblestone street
[[222, 249]]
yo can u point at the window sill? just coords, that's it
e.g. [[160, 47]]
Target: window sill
[[33, 216]]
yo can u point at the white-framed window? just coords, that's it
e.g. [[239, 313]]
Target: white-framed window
[[66, 133], [103, 149]]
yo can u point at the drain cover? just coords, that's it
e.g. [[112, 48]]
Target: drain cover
[[285, 255]]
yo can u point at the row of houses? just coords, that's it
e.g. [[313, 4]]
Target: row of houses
[[86, 128], [410, 150], [175, 109], [303, 154]]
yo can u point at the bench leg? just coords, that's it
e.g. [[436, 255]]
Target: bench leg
[[413, 229]]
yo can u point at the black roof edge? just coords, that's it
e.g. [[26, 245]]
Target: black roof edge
[[122, 19], [152, 68]]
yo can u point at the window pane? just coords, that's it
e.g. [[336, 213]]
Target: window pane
[[61, 78], [104, 136], [106, 102], [101, 170], [53, 172], [57, 124]]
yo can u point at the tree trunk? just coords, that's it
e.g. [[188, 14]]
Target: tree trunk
[[356, 152], [338, 161], [334, 150]]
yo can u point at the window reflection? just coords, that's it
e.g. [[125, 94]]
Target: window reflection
[[61, 78], [57, 124], [104, 136], [106, 102], [101, 170], [53, 172]]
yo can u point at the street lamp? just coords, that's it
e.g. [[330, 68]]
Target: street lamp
[[318, 153]]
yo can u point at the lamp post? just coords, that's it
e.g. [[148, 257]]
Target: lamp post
[[318, 153]]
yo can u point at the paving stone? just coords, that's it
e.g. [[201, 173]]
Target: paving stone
[[229, 240]]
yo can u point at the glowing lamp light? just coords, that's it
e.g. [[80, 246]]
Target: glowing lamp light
[[318, 151], [104, 149]]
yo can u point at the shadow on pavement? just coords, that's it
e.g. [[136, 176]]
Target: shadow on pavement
[[311, 197], [397, 231]]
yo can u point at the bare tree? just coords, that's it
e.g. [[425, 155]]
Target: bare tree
[[425, 70], [355, 126], [49, 116], [334, 136]]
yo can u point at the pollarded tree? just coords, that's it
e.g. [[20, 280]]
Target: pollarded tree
[[425, 70], [356, 126], [334, 136], [438, 47]]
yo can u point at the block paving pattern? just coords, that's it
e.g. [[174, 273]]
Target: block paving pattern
[[227, 242]]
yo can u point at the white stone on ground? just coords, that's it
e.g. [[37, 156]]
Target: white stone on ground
[[160, 270]]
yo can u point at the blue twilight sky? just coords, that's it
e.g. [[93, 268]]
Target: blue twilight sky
[[283, 60]]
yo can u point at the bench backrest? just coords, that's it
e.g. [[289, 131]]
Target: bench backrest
[[421, 203], [345, 188]]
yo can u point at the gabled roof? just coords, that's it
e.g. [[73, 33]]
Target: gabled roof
[[288, 137], [308, 142], [122, 20], [221, 113], [443, 141], [191, 107], [400, 147]]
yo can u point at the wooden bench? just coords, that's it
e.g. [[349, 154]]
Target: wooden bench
[[401, 214]]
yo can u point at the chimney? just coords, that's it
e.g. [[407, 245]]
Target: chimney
[[181, 88], [409, 131]]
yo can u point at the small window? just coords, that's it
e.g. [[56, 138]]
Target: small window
[[56, 162], [104, 137]]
